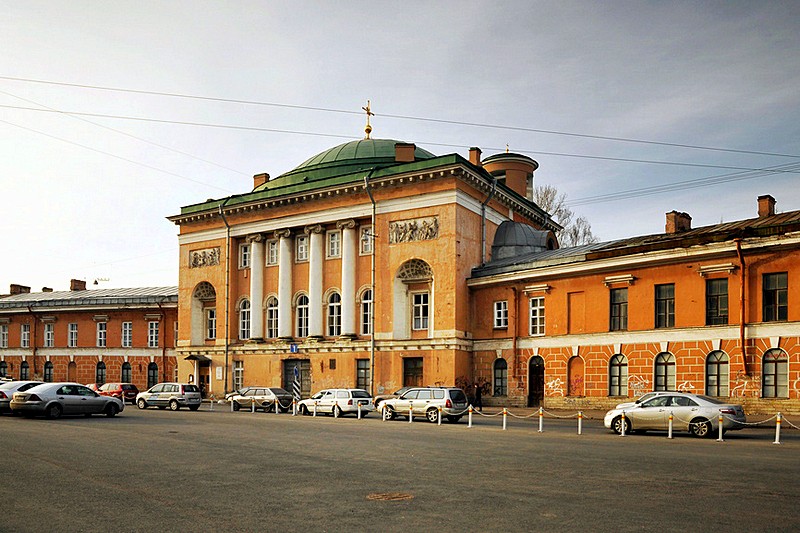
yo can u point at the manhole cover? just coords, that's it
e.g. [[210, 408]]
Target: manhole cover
[[390, 496]]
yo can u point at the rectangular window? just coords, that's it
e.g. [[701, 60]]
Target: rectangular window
[[152, 334], [72, 335], [334, 247], [501, 314], [25, 336], [775, 297], [101, 334], [716, 302], [362, 374], [301, 248], [536, 316], [49, 335], [366, 313], [244, 256], [272, 252], [211, 323], [3, 335], [365, 240], [665, 305], [420, 310], [238, 375], [619, 310], [127, 334]]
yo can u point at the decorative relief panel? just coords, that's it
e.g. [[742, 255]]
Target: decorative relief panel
[[204, 258], [418, 229]]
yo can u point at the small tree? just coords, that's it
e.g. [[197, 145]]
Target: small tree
[[577, 231]]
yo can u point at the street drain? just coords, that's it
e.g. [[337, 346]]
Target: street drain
[[390, 496]]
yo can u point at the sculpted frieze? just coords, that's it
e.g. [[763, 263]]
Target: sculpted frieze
[[418, 229], [204, 258]]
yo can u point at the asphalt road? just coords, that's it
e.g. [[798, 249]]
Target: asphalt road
[[221, 471]]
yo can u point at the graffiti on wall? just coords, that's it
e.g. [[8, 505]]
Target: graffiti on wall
[[685, 387], [744, 385], [638, 385], [554, 387]]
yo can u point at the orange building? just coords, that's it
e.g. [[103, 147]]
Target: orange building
[[711, 310], [89, 336], [351, 268]]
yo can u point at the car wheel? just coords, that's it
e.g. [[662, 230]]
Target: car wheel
[[453, 419], [141, 404], [616, 425], [432, 415], [53, 411], [390, 414], [337, 411], [112, 410], [173, 405], [700, 427], [194, 407], [236, 406], [304, 410]]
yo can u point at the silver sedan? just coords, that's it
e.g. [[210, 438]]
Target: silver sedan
[[695, 413], [55, 399]]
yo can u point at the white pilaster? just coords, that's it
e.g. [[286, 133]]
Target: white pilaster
[[257, 261], [285, 260], [349, 254], [316, 259]]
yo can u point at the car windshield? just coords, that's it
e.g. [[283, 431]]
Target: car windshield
[[361, 394], [279, 391]]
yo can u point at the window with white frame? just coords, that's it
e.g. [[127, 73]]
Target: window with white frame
[[244, 256], [127, 334], [536, 306], [334, 245], [211, 323], [49, 335], [25, 336], [366, 313], [420, 311], [272, 252], [362, 373], [3, 335], [501, 314], [72, 335], [272, 317], [334, 315], [302, 316], [238, 375], [244, 319], [301, 248], [152, 334], [24, 371], [365, 240], [101, 334], [618, 375]]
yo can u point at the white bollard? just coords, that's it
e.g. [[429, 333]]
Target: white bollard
[[541, 420], [294, 406], [231, 406], [777, 429], [410, 414], [359, 411], [469, 417], [277, 401], [505, 416], [252, 406], [580, 422], [383, 412], [335, 409], [623, 424], [211, 404], [439, 418], [719, 439], [315, 407], [669, 433]]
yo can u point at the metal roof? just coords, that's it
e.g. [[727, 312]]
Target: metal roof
[[91, 298]]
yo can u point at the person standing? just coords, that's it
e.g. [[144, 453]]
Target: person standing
[[478, 400]]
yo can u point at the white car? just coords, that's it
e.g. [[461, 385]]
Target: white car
[[263, 398], [640, 399], [427, 402], [337, 402], [172, 395]]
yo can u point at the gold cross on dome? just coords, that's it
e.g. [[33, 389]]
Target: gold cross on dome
[[368, 128]]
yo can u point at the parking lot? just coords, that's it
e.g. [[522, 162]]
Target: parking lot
[[218, 470]]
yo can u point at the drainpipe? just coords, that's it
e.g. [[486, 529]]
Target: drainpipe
[[483, 220], [368, 187], [227, 283], [742, 303], [33, 341], [164, 341]]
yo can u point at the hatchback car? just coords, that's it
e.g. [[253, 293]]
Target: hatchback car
[[381, 397], [124, 391], [8, 388], [426, 401], [262, 398], [337, 402], [55, 399], [695, 413], [172, 395]]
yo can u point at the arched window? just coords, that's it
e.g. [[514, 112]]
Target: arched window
[[244, 319], [665, 372], [126, 373], [48, 372], [413, 300], [302, 316], [334, 315], [100, 373], [717, 373], [3, 368], [272, 317], [366, 313], [24, 371], [618, 376], [203, 306], [152, 374], [775, 374], [500, 378]]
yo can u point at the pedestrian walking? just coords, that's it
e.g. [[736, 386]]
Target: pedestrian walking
[[478, 400]]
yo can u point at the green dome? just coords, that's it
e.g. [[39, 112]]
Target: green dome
[[353, 156]]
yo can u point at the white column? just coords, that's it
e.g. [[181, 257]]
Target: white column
[[284, 284], [257, 262], [349, 254], [316, 259]]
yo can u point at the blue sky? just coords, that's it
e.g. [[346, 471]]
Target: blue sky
[[89, 200]]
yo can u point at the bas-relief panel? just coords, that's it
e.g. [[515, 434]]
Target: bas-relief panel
[[418, 229], [203, 258]]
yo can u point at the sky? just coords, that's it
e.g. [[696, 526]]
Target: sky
[[632, 109]]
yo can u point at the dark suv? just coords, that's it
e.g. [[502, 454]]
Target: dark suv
[[426, 401]]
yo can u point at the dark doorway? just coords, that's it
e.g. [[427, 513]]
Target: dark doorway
[[412, 372], [304, 366], [535, 381]]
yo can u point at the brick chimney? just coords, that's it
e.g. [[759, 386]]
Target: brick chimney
[[678, 222], [766, 206], [47, 289], [77, 285], [260, 179], [19, 289], [404, 152], [475, 156]]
